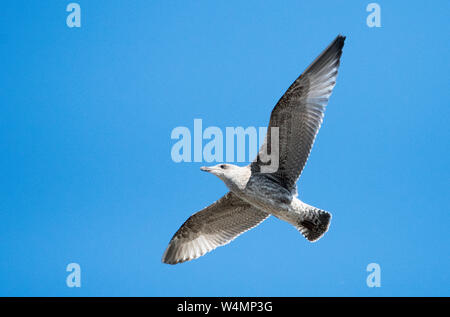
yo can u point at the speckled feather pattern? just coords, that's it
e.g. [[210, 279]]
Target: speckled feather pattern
[[254, 195]]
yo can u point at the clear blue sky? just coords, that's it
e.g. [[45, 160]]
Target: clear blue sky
[[86, 174]]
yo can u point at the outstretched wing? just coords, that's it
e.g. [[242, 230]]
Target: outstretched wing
[[298, 115], [214, 226]]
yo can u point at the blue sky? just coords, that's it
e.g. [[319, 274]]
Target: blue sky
[[86, 174]]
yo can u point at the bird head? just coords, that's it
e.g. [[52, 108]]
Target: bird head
[[228, 173]]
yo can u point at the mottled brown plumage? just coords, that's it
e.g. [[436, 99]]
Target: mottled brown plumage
[[299, 114], [255, 193]]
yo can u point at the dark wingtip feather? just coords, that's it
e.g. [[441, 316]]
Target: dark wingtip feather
[[339, 41], [333, 51]]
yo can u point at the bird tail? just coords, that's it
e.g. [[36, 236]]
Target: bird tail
[[314, 223]]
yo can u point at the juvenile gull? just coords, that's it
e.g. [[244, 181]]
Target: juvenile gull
[[255, 194]]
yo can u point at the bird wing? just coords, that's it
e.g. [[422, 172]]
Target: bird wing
[[214, 226], [298, 116]]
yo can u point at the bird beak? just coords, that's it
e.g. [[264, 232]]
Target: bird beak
[[205, 169]]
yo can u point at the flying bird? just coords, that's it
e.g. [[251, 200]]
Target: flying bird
[[256, 191]]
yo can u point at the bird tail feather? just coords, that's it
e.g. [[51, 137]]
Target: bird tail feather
[[314, 223]]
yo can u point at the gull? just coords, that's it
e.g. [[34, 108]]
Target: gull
[[256, 192]]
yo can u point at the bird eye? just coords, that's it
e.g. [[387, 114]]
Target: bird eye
[[223, 166]]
